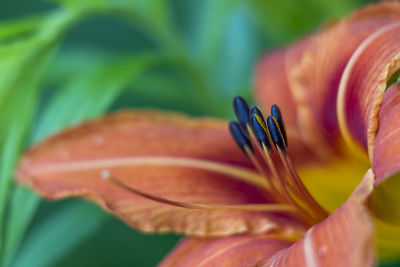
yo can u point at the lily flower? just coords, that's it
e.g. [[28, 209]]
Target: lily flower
[[270, 191]]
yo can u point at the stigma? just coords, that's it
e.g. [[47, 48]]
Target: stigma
[[259, 138]]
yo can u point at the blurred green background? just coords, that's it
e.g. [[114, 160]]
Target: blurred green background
[[65, 61]]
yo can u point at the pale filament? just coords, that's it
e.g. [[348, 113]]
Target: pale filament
[[283, 184], [258, 137], [288, 184], [105, 174]]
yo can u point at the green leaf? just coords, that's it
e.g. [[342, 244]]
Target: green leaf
[[90, 92], [22, 64], [60, 232], [22, 207], [86, 95], [117, 244], [17, 113], [20, 30], [211, 29]]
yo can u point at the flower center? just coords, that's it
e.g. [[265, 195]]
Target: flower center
[[255, 137], [261, 140]]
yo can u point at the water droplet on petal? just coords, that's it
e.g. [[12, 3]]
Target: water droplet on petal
[[322, 250], [105, 174], [63, 154], [98, 140]]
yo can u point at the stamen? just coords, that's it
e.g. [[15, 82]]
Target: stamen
[[276, 113], [245, 145], [241, 109], [302, 190], [260, 131], [285, 187], [271, 186], [256, 110], [296, 184], [240, 138], [276, 134], [245, 207], [276, 181]]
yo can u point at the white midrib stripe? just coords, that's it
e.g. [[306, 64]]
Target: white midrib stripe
[[102, 164], [309, 254]]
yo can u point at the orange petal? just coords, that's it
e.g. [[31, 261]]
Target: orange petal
[[321, 69], [273, 87], [245, 250], [386, 160], [305, 78], [168, 156], [272, 83], [345, 238], [364, 83], [385, 202]]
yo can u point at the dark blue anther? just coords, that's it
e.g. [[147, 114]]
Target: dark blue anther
[[276, 113], [276, 134], [240, 138], [241, 109], [256, 110], [260, 132]]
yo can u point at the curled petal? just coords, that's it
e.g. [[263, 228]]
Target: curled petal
[[364, 83], [386, 161], [335, 86], [304, 79], [246, 250], [307, 75], [323, 63], [165, 155], [345, 238], [385, 201]]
